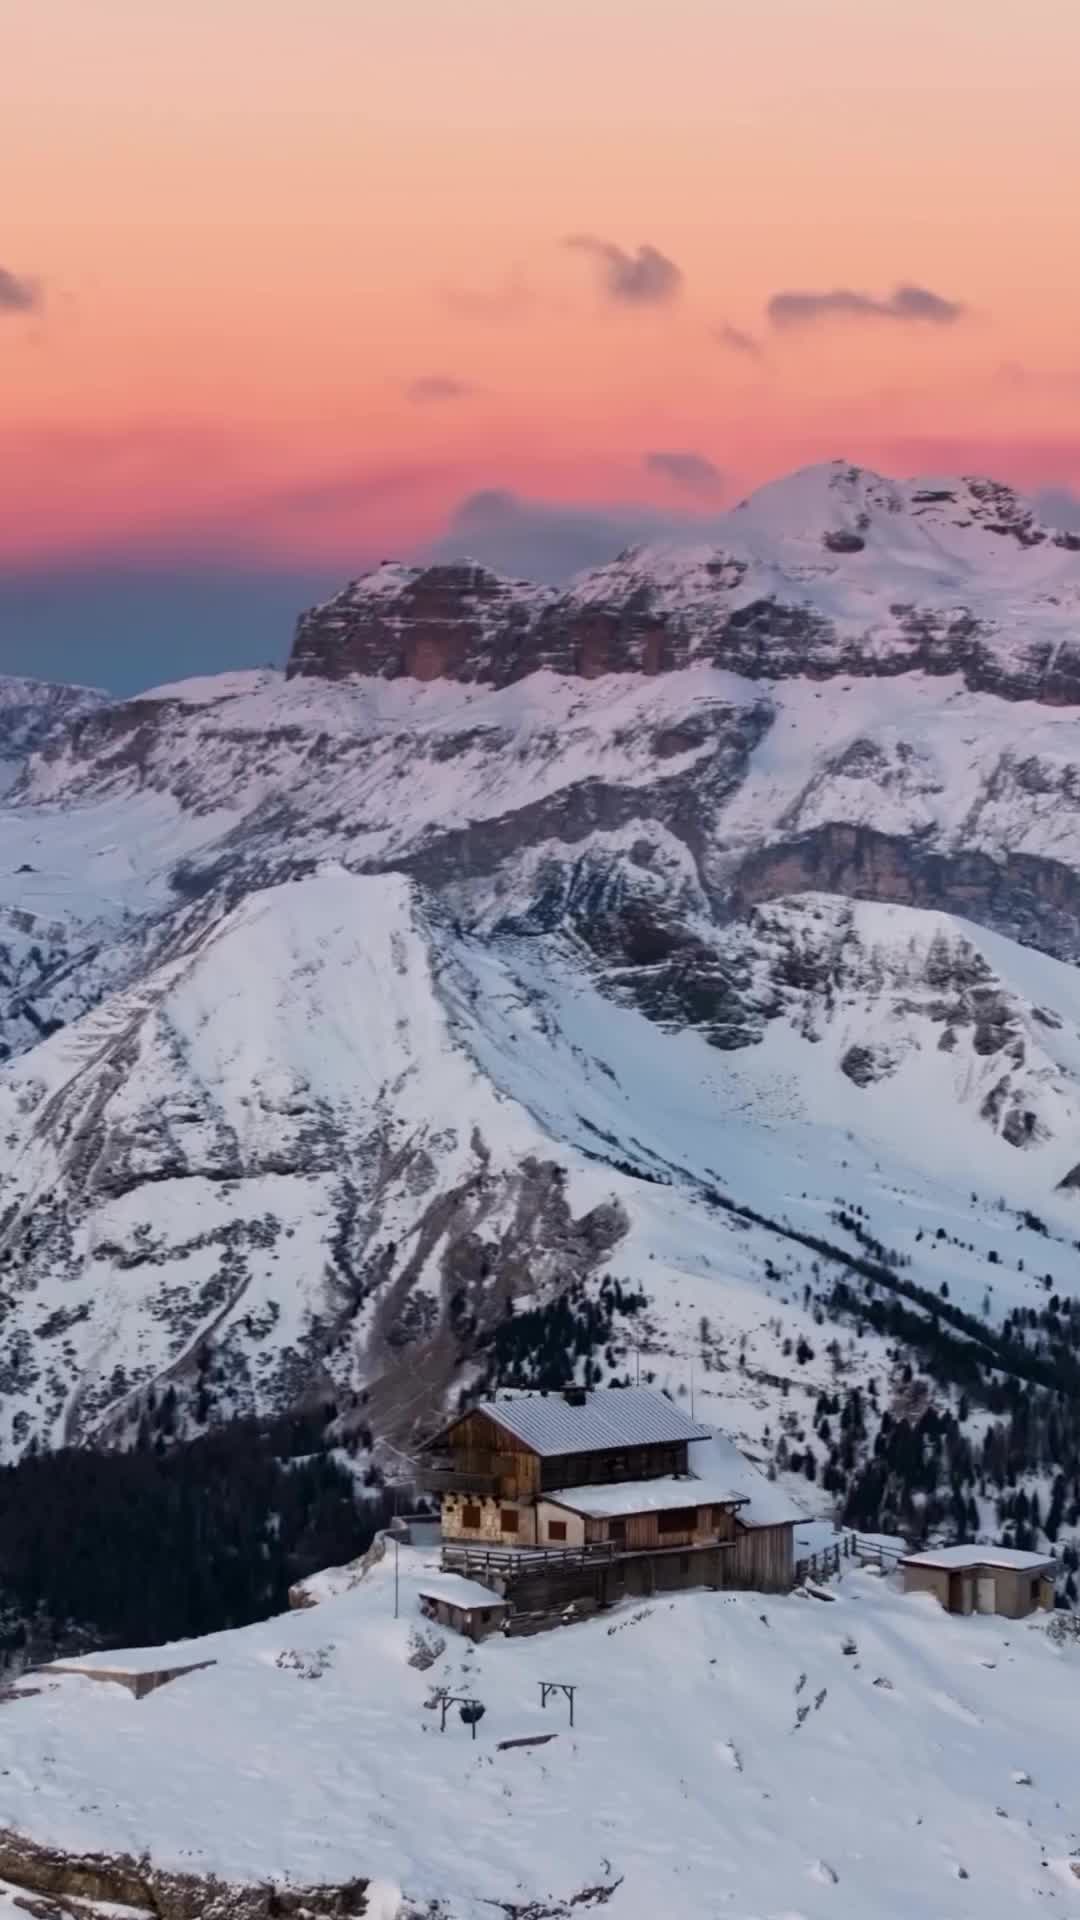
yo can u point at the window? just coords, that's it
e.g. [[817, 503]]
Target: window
[[678, 1520], [556, 1529], [509, 1519], [470, 1516], [617, 1531]]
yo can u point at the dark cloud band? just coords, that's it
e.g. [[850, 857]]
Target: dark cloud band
[[906, 304]]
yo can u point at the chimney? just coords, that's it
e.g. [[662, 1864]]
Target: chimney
[[574, 1396]]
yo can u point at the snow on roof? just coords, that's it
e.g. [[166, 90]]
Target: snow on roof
[[769, 1505], [607, 1417], [721, 1475], [456, 1591], [174, 1656], [980, 1555], [645, 1496]]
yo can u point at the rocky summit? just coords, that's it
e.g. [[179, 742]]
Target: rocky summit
[[831, 571]]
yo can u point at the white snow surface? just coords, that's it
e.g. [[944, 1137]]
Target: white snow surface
[[644, 1496], [767, 1502], [457, 1590], [729, 1758]]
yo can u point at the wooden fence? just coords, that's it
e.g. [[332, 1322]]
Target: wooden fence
[[827, 1562], [476, 1561]]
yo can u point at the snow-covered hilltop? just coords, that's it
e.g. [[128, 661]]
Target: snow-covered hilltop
[[873, 1756]]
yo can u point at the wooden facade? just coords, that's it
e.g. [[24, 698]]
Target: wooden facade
[[977, 1588], [763, 1560], [503, 1521], [687, 1526], [491, 1482], [476, 1622]]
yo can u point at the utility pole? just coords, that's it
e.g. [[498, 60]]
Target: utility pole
[[395, 1577], [691, 1388]]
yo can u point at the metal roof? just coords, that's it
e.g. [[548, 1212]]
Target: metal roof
[[607, 1418]]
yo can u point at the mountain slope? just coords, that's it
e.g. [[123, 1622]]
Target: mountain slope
[[325, 1145], [871, 1756]]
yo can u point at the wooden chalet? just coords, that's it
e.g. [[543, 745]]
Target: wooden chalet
[[593, 1494]]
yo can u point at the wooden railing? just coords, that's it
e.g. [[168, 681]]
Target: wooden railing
[[470, 1558], [827, 1561]]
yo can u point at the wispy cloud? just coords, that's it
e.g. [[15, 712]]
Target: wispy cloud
[[690, 472], [737, 341], [646, 278], [18, 294], [906, 304], [550, 540], [433, 388]]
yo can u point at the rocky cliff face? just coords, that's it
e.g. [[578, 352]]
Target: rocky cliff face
[[32, 712], [833, 572]]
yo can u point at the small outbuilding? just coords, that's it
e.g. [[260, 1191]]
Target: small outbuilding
[[982, 1579], [463, 1605]]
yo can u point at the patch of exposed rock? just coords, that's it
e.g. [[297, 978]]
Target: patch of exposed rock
[[121, 1880]]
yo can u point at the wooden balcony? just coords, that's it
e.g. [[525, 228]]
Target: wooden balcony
[[443, 1477]]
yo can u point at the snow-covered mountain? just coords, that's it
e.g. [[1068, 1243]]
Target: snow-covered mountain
[[376, 1025], [832, 570]]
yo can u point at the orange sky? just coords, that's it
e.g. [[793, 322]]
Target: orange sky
[[247, 228]]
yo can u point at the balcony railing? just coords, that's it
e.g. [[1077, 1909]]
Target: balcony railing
[[446, 1478]]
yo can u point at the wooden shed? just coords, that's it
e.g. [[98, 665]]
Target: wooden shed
[[982, 1579], [463, 1605]]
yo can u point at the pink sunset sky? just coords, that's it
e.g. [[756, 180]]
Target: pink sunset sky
[[288, 282]]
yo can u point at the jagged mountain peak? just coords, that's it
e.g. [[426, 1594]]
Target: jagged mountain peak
[[838, 499], [833, 569]]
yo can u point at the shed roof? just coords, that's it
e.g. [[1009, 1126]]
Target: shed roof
[[606, 1418], [1010, 1559], [458, 1592], [645, 1496]]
